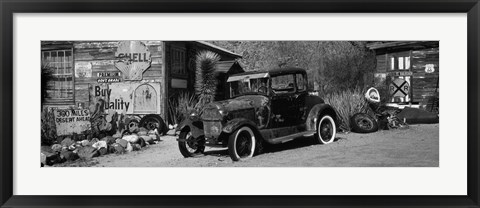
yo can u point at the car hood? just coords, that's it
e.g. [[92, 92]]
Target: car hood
[[240, 103]]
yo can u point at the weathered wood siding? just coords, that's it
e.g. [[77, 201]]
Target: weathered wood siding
[[425, 84], [101, 56]]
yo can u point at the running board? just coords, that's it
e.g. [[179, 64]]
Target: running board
[[291, 137]]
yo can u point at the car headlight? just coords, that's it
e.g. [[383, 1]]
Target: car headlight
[[222, 112]]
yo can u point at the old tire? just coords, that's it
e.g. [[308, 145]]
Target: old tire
[[363, 123], [153, 121], [190, 146], [326, 130], [241, 144]]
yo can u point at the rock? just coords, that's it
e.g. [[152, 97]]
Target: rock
[[43, 158], [136, 147], [142, 133], [85, 143], [57, 148], [171, 132], [122, 142], [67, 142], [72, 147], [78, 145], [68, 155], [111, 149], [147, 139], [117, 136], [142, 129], [129, 147], [131, 138], [118, 148], [87, 152], [53, 158], [100, 144], [103, 151], [93, 141], [109, 139], [155, 137]]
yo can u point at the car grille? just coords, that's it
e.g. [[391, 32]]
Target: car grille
[[212, 128]]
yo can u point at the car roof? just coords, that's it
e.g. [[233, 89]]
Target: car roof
[[275, 71]]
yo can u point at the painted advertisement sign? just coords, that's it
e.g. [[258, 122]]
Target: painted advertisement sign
[[133, 58], [83, 69], [130, 97], [70, 121], [108, 77]]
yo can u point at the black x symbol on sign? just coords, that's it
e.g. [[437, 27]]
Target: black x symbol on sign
[[399, 88]]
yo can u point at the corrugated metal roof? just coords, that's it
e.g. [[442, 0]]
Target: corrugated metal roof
[[224, 66], [219, 48], [247, 76]]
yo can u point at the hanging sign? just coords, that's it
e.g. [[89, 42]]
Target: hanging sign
[[133, 58], [83, 69], [429, 68], [399, 88], [400, 73]]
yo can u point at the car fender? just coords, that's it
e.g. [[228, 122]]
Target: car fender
[[236, 123], [195, 126], [317, 111]]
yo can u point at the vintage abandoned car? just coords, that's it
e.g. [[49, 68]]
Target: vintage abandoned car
[[264, 107]]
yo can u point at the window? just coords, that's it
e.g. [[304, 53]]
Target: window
[[301, 84], [60, 64], [283, 83], [248, 86], [177, 57], [400, 63]]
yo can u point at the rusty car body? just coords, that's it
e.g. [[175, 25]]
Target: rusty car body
[[271, 107]]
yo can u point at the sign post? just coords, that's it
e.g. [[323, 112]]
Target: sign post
[[399, 88]]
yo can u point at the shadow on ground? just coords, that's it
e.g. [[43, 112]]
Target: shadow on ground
[[271, 148]]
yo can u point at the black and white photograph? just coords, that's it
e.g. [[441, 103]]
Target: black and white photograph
[[235, 103]]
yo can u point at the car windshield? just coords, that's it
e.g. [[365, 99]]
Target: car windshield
[[248, 86]]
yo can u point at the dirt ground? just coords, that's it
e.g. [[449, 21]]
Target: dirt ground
[[417, 146]]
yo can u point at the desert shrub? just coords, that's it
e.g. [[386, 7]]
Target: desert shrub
[[179, 107], [347, 103], [49, 134], [205, 76]]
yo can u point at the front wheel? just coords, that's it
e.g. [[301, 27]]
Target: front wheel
[[326, 130], [190, 146], [241, 144]]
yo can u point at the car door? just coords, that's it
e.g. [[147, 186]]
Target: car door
[[282, 100], [299, 99]]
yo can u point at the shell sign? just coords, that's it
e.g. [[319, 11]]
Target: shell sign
[[133, 58]]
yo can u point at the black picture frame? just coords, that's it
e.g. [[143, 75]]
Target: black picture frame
[[9, 7]]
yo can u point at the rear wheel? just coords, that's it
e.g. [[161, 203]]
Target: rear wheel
[[241, 144], [190, 146], [363, 123], [326, 130], [153, 121]]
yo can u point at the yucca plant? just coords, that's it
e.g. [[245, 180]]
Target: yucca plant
[[181, 106], [205, 77], [49, 131], [46, 77], [346, 104]]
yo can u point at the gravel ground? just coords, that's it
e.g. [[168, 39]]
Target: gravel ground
[[417, 146]]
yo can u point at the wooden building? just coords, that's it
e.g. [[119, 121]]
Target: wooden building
[[407, 72], [134, 77]]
